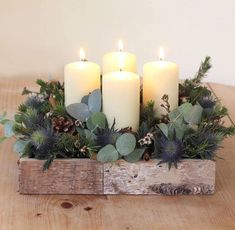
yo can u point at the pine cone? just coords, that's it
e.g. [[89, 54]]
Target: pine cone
[[62, 124], [146, 156]]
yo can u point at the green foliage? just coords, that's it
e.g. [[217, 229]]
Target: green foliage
[[90, 104], [19, 146], [202, 144], [8, 127], [191, 89], [126, 144], [94, 101], [143, 130], [96, 120], [79, 111], [195, 129], [135, 155], [68, 144], [107, 154], [147, 115], [180, 119], [191, 114]]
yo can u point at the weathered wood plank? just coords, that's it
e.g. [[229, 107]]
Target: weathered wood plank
[[191, 177], [70, 176], [84, 176]]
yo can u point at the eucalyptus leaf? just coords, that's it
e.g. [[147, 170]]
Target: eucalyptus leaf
[[179, 130], [164, 128], [89, 135], [195, 115], [107, 154], [19, 146], [79, 111], [192, 114], [126, 144], [80, 131], [185, 109], [135, 156], [8, 129], [96, 120], [175, 116], [94, 101], [85, 99]]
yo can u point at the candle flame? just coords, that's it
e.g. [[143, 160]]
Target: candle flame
[[161, 53], [120, 45], [82, 54]]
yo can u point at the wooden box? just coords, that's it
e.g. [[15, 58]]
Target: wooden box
[[85, 176]]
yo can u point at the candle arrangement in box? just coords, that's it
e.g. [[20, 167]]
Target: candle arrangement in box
[[160, 137]]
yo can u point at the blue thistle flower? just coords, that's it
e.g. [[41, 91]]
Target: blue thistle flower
[[106, 136], [207, 102], [34, 101], [44, 141], [171, 151]]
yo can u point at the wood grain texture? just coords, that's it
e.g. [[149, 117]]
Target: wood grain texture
[[125, 212], [192, 177], [65, 176], [84, 176]]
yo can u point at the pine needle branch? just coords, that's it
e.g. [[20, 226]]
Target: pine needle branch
[[202, 71]]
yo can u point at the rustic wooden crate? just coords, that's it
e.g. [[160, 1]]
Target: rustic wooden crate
[[85, 176]]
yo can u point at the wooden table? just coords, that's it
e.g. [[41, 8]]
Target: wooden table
[[83, 212]]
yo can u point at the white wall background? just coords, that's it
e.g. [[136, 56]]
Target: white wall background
[[40, 36]]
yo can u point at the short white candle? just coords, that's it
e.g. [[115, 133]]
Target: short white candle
[[121, 98], [111, 61], [159, 78], [80, 78]]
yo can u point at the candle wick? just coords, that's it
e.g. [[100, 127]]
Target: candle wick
[[161, 59], [83, 59]]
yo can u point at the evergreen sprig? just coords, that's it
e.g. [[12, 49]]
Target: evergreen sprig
[[189, 85]]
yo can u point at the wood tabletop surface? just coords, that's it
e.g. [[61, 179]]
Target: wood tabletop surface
[[124, 212]]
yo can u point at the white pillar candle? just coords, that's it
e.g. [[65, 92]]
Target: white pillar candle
[[159, 78], [80, 78], [121, 99], [111, 61]]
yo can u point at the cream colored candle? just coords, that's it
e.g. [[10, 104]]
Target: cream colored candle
[[111, 61], [121, 99], [80, 78], [159, 78]]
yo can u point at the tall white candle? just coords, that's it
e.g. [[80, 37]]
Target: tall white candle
[[80, 78], [159, 78], [121, 99], [111, 61]]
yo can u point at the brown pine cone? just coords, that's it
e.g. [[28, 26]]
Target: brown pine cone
[[146, 156], [62, 124]]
